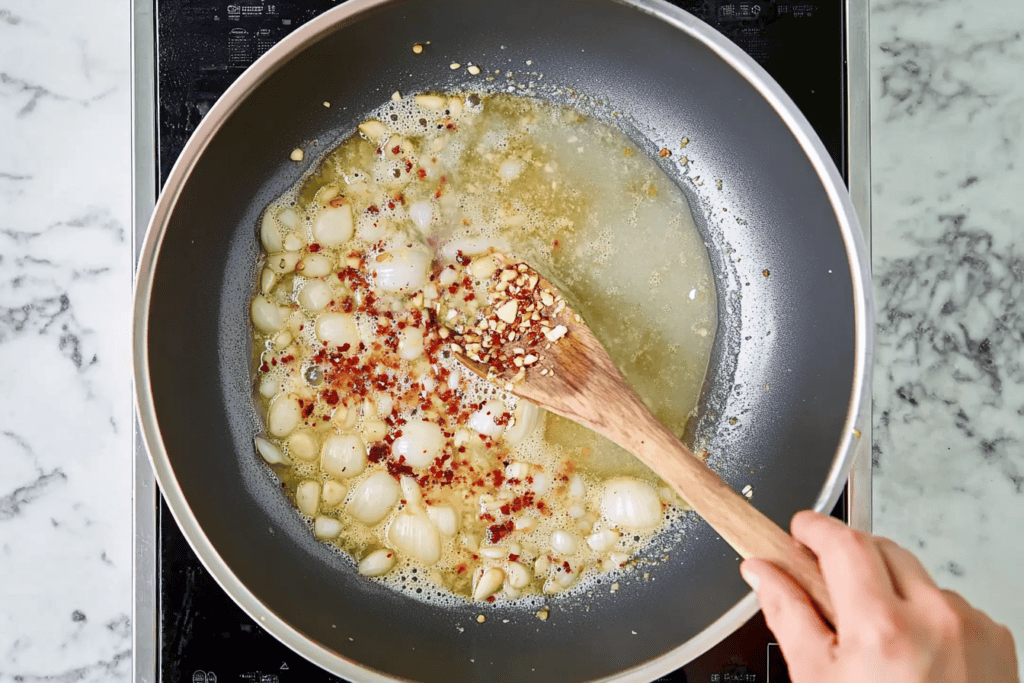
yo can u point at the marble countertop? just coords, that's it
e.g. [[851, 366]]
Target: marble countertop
[[948, 257]]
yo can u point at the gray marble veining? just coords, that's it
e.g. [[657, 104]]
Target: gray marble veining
[[65, 287], [948, 232]]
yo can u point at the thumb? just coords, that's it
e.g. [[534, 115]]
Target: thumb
[[804, 638]]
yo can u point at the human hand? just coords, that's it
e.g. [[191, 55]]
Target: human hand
[[894, 625]]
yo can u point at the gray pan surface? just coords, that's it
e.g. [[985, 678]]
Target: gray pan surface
[[790, 358]]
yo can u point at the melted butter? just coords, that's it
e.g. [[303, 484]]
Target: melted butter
[[591, 212]]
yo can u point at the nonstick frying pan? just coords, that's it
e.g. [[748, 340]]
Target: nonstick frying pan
[[783, 397]]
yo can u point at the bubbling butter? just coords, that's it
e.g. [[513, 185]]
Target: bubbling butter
[[435, 482]]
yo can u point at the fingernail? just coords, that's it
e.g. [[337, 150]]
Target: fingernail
[[751, 578]]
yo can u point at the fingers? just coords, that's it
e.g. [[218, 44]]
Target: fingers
[[909, 578], [852, 565], [806, 641]]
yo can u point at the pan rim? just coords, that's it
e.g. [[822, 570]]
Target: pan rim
[[268, 64]]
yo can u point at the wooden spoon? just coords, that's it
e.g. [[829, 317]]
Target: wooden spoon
[[563, 368]]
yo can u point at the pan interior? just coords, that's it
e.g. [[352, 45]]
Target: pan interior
[[783, 365]]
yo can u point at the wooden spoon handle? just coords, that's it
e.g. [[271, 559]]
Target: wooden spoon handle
[[742, 525]]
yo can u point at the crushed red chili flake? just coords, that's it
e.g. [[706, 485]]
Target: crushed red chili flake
[[314, 248], [330, 397], [496, 532], [372, 208], [378, 452], [523, 501], [336, 201], [308, 410], [399, 469], [396, 150]]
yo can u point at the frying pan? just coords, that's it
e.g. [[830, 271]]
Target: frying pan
[[783, 396]]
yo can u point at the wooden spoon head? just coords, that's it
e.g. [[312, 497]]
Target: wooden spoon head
[[542, 351]]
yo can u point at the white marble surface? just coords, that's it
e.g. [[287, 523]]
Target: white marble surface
[[948, 258], [65, 291], [947, 122]]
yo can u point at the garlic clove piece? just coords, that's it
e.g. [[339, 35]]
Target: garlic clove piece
[[378, 563], [373, 498], [415, 535]]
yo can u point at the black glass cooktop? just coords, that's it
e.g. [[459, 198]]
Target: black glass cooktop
[[203, 45]]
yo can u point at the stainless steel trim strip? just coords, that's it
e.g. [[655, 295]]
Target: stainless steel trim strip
[[858, 159], [144, 191]]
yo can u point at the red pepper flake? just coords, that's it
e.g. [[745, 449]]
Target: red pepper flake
[[505, 509], [344, 347], [330, 397], [398, 469], [496, 532], [264, 368], [314, 248], [408, 165], [523, 501], [512, 557], [308, 410], [565, 566], [273, 361], [396, 150], [378, 452], [372, 208], [421, 173], [288, 359], [337, 201], [391, 205]]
